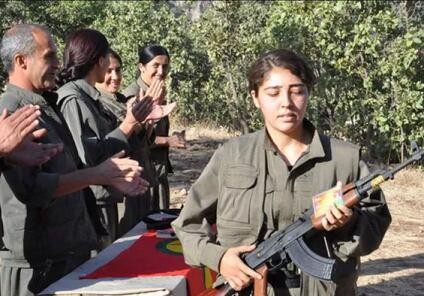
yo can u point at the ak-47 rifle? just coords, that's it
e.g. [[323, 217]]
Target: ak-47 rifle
[[288, 244]]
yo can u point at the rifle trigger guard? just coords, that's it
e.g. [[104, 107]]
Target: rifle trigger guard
[[276, 261]]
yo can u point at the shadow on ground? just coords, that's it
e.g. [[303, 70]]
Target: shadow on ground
[[379, 266], [411, 284]]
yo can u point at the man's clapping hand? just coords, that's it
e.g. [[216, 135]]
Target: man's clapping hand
[[17, 138]]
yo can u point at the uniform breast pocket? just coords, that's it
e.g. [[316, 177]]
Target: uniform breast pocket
[[304, 183], [303, 192], [236, 195]]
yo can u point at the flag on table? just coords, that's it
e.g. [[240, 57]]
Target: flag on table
[[150, 256]]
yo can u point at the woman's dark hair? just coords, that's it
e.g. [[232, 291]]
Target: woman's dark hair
[[115, 55], [283, 58], [149, 52], [83, 50]]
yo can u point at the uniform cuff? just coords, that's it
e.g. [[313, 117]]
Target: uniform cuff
[[211, 256]]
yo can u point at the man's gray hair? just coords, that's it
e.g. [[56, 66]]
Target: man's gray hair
[[18, 40]]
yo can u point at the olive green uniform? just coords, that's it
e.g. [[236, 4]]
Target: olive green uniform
[[44, 237], [159, 155], [97, 137], [135, 207], [250, 193]]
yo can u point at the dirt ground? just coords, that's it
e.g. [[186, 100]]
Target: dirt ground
[[396, 268]]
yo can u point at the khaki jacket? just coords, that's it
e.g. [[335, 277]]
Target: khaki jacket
[[39, 228], [115, 103], [140, 143], [158, 155], [94, 129], [231, 193]]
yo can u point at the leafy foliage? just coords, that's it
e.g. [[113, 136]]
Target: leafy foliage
[[368, 57], [231, 47], [370, 70], [61, 17]]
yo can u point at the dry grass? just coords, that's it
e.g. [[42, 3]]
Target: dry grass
[[410, 178], [202, 130]]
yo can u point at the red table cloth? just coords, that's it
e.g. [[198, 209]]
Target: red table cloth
[[150, 256]]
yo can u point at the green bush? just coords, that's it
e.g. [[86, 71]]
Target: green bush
[[368, 57]]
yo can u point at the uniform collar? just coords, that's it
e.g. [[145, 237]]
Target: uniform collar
[[91, 91], [315, 149], [143, 85], [106, 94], [30, 97], [114, 97], [47, 100]]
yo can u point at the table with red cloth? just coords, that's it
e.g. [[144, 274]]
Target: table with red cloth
[[138, 263]]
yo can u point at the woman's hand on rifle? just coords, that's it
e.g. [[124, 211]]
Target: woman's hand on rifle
[[232, 268], [337, 215]]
